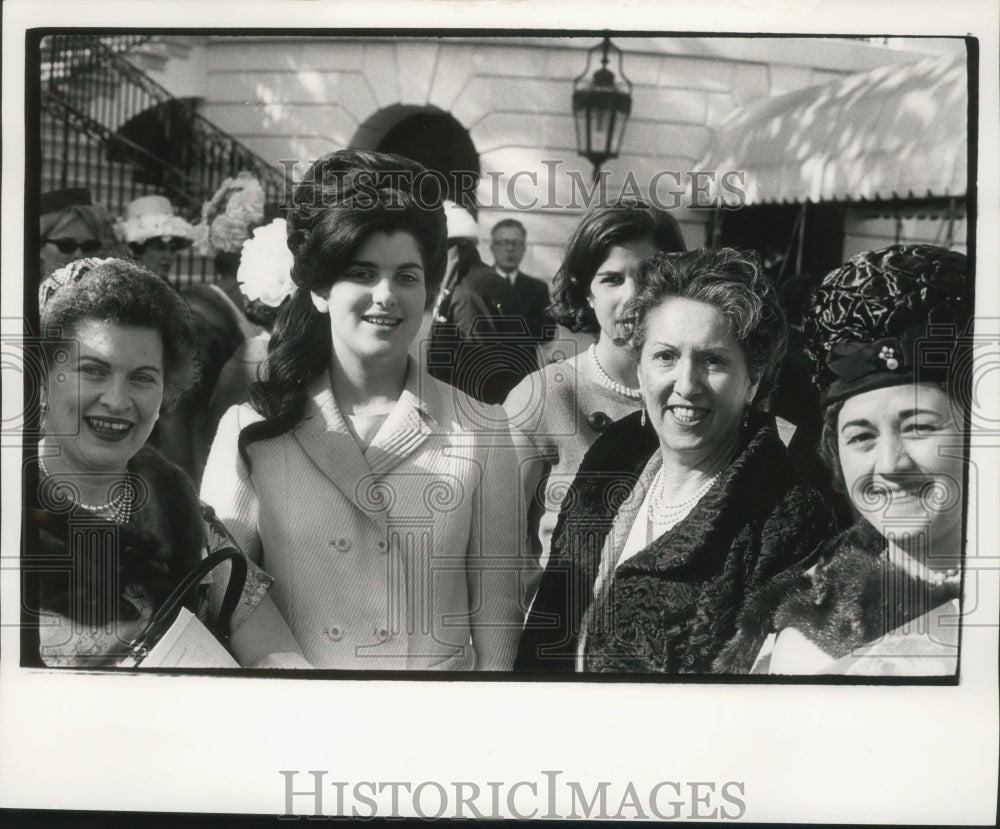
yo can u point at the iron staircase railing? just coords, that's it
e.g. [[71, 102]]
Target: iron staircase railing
[[109, 126]]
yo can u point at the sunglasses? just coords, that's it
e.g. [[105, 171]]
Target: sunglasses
[[68, 245]]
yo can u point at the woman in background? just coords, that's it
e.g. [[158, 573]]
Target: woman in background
[[265, 280], [383, 501], [70, 226], [564, 407], [153, 233], [884, 332]]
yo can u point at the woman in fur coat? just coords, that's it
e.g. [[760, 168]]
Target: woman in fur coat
[[680, 510], [880, 598], [112, 527]]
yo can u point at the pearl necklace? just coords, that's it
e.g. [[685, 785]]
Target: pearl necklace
[[919, 570], [608, 382], [663, 514], [118, 509]]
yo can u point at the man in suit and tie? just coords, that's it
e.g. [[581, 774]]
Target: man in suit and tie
[[479, 341], [508, 243]]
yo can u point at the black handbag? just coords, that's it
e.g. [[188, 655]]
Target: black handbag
[[167, 613]]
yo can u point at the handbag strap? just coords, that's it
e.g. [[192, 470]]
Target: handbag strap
[[167, 612]]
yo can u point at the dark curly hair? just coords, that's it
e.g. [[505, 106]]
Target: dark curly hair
[[601, 228], [123, 291], [343, 198], [731, 281]]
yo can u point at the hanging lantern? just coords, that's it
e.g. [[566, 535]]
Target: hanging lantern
[[601, 108]]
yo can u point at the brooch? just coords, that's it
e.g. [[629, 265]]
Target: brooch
[[889, 357]]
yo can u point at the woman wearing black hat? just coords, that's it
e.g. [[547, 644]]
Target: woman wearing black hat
[[884, 332]]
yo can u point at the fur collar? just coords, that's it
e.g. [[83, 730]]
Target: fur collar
[[755, 522], [848, 594], [615, 463], [155, 550]]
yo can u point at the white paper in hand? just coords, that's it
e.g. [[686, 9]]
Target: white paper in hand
[[187, 644]]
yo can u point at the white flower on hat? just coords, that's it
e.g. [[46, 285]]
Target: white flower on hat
[[150, 217], [265, 271], [461, 224]]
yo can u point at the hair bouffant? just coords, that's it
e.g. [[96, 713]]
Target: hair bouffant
[[732, 282], [602, 228], [343, 198], [125, 292], [350, 194]]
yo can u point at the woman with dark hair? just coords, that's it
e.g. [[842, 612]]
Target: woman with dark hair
[[564, 407], [678, 510], [884, 332], [356, 478], [113, 527]]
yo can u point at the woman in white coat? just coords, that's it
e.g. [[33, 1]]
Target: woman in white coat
[[385, 504]]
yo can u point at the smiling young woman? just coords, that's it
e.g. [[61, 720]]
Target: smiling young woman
[[374, 492]]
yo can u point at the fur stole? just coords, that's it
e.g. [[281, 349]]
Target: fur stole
[[84, 562], [674, 604], [847, 595]]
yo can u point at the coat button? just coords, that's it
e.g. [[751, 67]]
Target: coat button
[[342, 544], [381, 546], [381, 633], [335, 633]]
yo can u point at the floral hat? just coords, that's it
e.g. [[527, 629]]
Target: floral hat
[[150, 217], [228, 218]]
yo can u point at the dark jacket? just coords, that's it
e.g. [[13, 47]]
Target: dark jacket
[[533, 295], [78, 564], [846, 595], [672, 606], [484, 348]]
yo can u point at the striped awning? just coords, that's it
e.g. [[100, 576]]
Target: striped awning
[[895, 132]]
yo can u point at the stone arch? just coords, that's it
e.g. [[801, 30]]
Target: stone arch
[[429, 136]]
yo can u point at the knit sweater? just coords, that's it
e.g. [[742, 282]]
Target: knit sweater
[[562, 410], [672, 606]]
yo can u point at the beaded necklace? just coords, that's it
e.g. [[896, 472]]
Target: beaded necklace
[[664, 516], [608, 382], [118, 509], [919, 570]]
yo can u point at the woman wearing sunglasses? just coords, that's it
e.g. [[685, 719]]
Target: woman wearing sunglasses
[[153, 233], [71, 226]]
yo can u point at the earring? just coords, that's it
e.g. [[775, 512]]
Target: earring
[[746, 419], [321, 304], [642, 418]]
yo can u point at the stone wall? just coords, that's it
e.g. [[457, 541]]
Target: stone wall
[[294, 98]]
